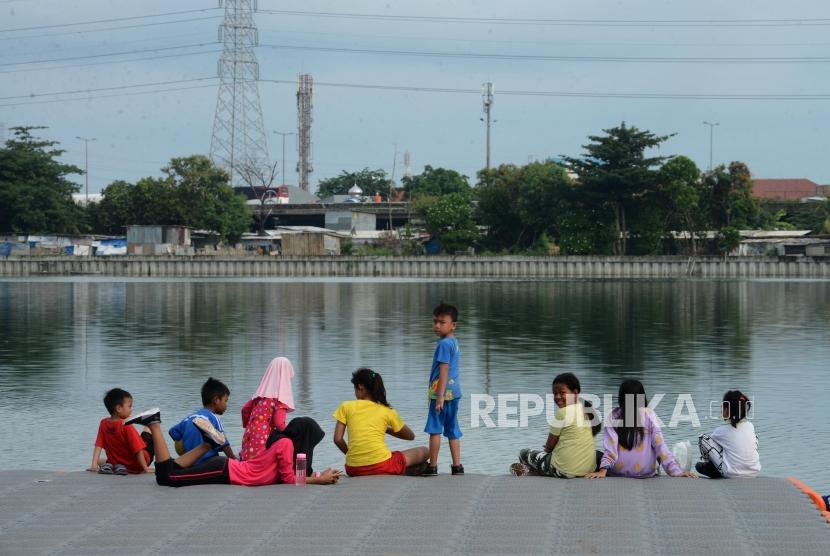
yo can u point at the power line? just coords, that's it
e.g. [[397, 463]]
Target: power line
[[119, 28], [105, 62], [552, 58], [96, 97], [114, 88], [573, 94], [124, 53], [790, 22], [413, 89], [110, 20]]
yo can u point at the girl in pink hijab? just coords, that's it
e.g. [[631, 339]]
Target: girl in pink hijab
[[266, 409]]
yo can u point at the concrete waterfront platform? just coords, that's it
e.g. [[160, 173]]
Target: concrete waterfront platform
[[45, 512]]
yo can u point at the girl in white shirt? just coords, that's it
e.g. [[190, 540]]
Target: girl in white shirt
[[731, 450]]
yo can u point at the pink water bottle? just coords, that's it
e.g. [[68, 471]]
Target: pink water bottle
[[299, 472]]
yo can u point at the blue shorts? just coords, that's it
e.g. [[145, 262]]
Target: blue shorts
[[446, 421]]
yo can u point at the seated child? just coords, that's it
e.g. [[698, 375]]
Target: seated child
[[369, 419], [126, 451], [186, 436], [265, 411], [634, 442], [569, 451], [273, 466], [731, 450]]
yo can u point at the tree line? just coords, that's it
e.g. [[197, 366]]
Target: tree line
[[617, 198]]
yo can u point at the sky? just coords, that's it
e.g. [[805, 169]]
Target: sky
[[401, 76]]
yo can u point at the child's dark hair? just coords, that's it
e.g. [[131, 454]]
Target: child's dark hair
[[114, 398], [446, 309], [572, 383], [372, 382], [738, 406], [213, 388], [631, 432]]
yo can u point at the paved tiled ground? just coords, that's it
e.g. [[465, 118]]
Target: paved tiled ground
[[82, 513]]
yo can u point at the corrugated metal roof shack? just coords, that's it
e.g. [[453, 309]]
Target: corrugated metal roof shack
[[158, 240], [305, 244]]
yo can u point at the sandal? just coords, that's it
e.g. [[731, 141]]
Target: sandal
[[120, 469], [105, 469]]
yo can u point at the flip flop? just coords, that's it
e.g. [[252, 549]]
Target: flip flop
[[105, 469], [120, 469]]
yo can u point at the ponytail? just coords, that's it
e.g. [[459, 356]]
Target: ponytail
[[737, 405], [372, 382]]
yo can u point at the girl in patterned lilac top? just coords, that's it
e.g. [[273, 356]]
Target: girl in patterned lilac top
[[633, 443]]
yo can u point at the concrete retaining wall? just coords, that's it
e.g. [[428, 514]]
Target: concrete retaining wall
[[419, 267]]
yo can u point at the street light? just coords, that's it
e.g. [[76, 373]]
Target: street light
[[711, 134], [86, 141], [283, 150]]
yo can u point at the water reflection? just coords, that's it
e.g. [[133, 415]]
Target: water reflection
[[63, 343]]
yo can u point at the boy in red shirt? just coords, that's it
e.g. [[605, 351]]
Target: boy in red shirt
[[126, 450]]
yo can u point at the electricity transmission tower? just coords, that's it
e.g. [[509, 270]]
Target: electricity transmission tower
[[304, 119], [239, 139]]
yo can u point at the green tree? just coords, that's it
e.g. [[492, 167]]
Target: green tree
[[519, 205], [435, 182], [729, 197], [205, 198], [35, 192], [114, 210], [681, 191], [449, 218], [498, 195], [370, 181], [192, 192], [617, 173]]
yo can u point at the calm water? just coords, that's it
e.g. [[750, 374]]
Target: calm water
[[63, 343]]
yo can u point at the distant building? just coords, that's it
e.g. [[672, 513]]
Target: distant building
[[277, 195], [306, 241], [784, 189], [350, 221], [824, 190], [158, 240]]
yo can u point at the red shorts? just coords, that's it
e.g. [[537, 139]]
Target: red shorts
[[395, 465]]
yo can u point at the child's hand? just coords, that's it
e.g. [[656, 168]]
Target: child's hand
[[93, 469], [328, 476], [601, 474], [688, 474], [439, 404]]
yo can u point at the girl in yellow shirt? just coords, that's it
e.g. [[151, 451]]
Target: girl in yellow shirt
[[369, 419]]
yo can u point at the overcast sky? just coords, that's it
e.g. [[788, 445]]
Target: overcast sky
[[136, 134]]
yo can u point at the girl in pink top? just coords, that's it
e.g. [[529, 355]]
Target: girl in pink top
[[266, 410], [634, 443]]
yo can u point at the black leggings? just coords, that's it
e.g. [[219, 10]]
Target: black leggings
[[213, 471]]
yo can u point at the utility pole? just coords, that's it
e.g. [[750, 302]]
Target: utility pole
[[487, 99], [86, 141], [392, 185], [284, 133], [711, 136]]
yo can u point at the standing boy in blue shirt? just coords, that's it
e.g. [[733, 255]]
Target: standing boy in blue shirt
[[444, 391], [186, 436]]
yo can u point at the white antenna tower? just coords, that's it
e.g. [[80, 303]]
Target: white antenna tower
[[239, 139], [304, 119], [487, 100], [407, 164]]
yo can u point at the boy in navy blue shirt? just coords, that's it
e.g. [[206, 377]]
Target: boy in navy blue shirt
[[444, 391], [186, 436]]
